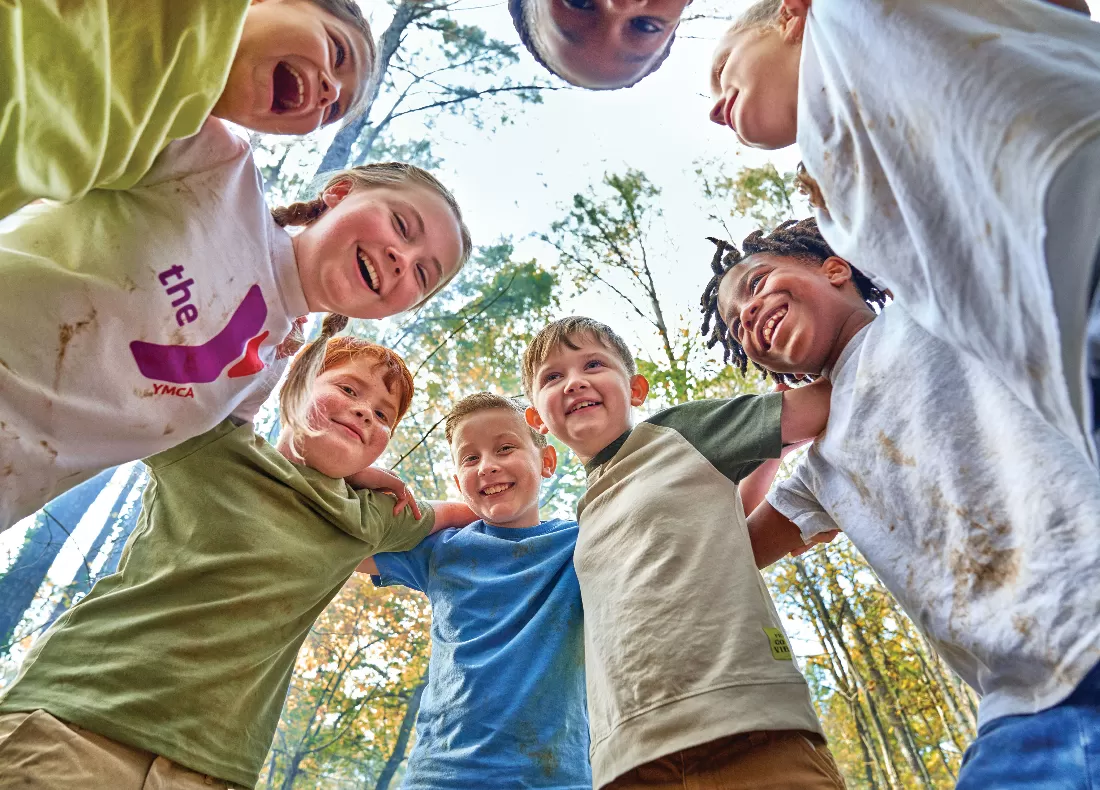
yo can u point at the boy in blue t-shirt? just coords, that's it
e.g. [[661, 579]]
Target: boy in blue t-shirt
[[505, 702]]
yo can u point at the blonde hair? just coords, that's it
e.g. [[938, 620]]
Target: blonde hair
[[348, 11], [562, 333], [483, 401], [763, 13], [374, 176], [327, 352]]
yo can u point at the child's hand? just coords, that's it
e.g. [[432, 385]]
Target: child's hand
[[821, 537], [805, 411], [388, 483]]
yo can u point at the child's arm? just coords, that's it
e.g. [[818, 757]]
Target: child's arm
[[755, 486], [448, 515], [805, 411], [774, 536]]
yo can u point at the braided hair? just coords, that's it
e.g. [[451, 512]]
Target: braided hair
[[792, 239]]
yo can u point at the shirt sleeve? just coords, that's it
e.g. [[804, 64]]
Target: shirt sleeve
[[736, 435], [387, 532], [89, 96], [409, 568], [796, 499]]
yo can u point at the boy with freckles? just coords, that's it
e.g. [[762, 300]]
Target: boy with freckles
[[691, 682], [504, 705], [977, 514]]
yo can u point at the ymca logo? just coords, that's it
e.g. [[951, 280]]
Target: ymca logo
[[204, 363]]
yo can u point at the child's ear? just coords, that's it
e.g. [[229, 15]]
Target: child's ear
[[838, 270], [639, 389], [792, 19], [337, 192], [534, 419], [549, 461]]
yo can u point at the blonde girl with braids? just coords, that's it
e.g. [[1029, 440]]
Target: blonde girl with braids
[[952, 149], [239, 546], [91, 94], [133, 320]]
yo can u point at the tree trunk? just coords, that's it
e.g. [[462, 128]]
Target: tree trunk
[[125, 529], [403, 734], [889, 770], [40, 548], [339, 151]]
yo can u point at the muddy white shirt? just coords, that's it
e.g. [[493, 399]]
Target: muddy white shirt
[[132, 321], [934, 129], [978, 515]]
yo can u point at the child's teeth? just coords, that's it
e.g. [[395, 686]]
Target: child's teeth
[[301, 88]]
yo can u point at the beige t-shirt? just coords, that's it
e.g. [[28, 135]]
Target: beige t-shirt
[[683, 644], [188, 650]]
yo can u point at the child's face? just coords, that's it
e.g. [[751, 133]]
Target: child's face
[[297, 68], [605, 43], [355, 412], [754, 81], [583, 396], [377, 252], [499, 468], [788, 313]]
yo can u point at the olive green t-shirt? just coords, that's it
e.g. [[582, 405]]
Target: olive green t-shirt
[[92, 91], [187, 651]]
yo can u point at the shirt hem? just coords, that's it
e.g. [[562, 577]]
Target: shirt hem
[[699, 719], [94, 722]]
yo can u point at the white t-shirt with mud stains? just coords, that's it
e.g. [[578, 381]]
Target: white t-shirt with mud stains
[[134, 320], [934, 129], [978, 515]]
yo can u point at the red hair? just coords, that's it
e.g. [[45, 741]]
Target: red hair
[[340, 351]]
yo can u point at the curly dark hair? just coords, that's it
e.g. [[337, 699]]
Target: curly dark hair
[[792, 239]]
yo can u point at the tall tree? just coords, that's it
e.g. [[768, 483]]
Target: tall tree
[[43, 542], [430, 65], [606, 242]]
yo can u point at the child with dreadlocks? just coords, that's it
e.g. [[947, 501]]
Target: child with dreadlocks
[[953, 150], [944, 482]]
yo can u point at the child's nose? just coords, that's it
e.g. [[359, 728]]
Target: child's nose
[[330, 90], [718, 112], [399, 260]]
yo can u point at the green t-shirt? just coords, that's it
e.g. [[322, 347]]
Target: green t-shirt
[[92, 91], [188, 650]]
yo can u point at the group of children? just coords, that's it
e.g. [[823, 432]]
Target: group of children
[[149, 313]]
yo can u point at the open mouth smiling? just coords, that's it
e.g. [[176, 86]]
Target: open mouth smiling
[[768, 326], [496, 488], [368, 272], [288, 88], [582, 405]]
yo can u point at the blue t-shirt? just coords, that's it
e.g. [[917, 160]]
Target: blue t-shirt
[[505, 702]]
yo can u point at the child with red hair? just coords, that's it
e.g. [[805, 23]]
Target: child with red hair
[[175, 668]]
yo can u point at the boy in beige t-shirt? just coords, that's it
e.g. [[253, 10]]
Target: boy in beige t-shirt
[[690, 677]]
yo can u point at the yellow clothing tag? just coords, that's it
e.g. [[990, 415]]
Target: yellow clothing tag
[[781, 651]]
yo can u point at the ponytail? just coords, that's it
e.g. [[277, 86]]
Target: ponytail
[[294, 397]]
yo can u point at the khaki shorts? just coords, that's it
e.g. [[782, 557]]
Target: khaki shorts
[[39, 752], [781, 760]]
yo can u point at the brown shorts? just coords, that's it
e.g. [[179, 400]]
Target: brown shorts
[[779, 760], [39, 752]]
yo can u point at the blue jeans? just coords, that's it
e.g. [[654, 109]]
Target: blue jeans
[[1054, 749]]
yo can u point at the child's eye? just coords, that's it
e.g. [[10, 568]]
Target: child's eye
[[754, 282], [550, 377], [469, 459], [507, 448], [382, 417], [580, 5], [422, 275], [644, 24], [593, 363], [347, 389], [401, 226], [339, 49], [735, 329]]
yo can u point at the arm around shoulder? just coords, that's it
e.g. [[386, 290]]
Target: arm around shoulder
[[805, 411], [772, 534]]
